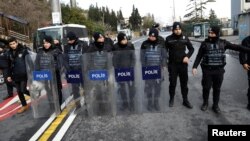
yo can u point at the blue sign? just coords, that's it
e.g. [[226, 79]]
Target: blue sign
[[151, 72], [98, 75], [124, 74], [74, 76], [42, 75]]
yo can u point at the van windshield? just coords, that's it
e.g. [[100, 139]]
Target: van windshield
[[79, 31], [55, 33]]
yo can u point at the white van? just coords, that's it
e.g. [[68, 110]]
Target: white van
[[59, 32]]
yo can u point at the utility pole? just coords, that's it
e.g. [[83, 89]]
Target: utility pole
[[73, 3], [56, 12], [196, 15], [173, 11]]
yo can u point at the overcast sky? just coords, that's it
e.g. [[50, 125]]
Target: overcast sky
[[162, 9]]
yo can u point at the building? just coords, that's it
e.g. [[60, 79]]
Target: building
[[238, 7]]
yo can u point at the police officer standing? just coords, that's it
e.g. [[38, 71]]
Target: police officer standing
[[152, 54], [245, 61], [5, 68], [176, 45], [18, 73], [124, 57], [72, 52], [97, 58], [212, 56], [49, 53]]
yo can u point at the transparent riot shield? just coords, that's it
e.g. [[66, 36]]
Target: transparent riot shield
[[72, 80], [126, 99], [42, 85], [153, 73], [98, 83]]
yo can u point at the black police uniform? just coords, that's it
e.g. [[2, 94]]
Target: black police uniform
[[212, 56], [176, 46], [18, 71], [124, 57], [245, 59]]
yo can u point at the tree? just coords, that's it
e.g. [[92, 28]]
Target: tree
[[148, 21], [196, 10], [135, 19], [113, 20], [72, 15], [36, 12], [120, 16], [213, 20], [94, 13]]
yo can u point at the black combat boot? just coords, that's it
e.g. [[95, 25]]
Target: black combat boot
[[132, 105], [187, 104], [216, 98], [216, 109], [205, 100], [156, 104], [150, 105], [248, 107], [204, 106], [124, 106], [171, 102]]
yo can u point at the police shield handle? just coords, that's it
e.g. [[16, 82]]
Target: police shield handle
[[194, 71], [185, 60], [246, 67]]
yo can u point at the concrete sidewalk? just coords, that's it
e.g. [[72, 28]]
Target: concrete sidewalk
[[232, 39]]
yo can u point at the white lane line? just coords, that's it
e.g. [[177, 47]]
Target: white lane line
[[65, 127], [13, 100], [47, 123], [43, 128]]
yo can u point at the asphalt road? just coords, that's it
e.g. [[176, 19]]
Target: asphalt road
[[174, 124], [177, 123]]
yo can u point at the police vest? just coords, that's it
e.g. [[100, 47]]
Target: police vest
[[99, 60], [214, 55], [45, 61], [153, 55], [74, 56], [123, 57]]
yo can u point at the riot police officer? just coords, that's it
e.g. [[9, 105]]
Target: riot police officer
[[72, 52], [176, 45], [212, 56], [124, 57], [152, 54], [245, 61], [97, 59], [49, 53]]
